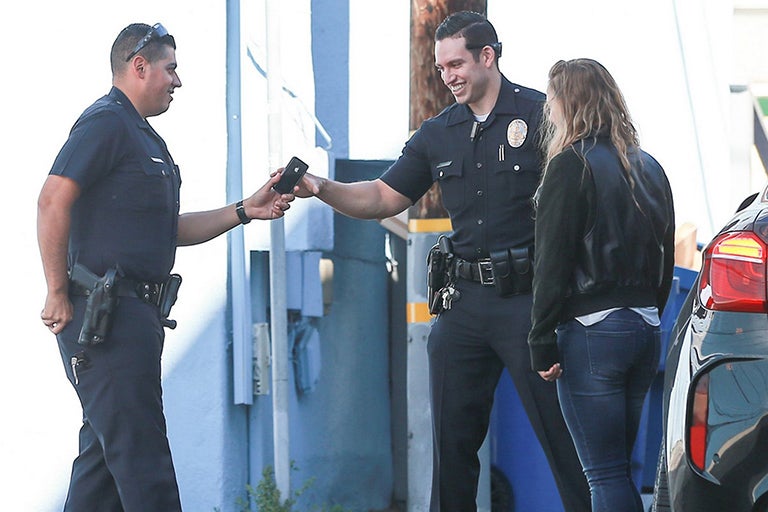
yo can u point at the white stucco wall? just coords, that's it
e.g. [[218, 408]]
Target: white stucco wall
[[57, 62], [57, 57]]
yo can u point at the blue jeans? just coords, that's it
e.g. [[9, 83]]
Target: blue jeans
[[607, 370]]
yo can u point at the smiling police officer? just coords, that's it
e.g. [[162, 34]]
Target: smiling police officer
[[108, 213], [483, 152]]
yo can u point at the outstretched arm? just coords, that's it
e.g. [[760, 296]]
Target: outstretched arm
[[265, 204], [362, 200]]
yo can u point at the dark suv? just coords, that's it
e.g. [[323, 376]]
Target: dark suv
[[714, 451]]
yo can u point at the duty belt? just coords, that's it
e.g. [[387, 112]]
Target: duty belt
[[145, 290], [480, 270]]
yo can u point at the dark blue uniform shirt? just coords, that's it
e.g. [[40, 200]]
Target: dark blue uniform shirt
[[487, 174], [127, 212]]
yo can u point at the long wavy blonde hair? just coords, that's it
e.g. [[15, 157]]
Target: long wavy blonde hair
[[591, 104]]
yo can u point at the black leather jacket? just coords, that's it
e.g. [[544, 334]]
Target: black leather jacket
[[624, 245], [600, 241]]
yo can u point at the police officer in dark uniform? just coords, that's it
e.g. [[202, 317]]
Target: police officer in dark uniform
[[483, 152], [110, 209]]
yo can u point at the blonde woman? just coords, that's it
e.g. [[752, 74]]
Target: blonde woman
[[602, 273]]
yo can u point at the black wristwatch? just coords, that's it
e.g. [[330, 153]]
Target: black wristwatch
[[244, 219]]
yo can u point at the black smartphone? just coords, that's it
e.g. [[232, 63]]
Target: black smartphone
[[291, 176]]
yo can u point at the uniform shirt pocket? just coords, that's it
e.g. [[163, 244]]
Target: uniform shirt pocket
[[142, 186], [448, 173], [519, 173]]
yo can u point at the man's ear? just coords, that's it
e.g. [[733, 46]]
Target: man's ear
[[138, 66], [488, 55]]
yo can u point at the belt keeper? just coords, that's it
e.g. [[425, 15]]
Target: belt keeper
[[149, 292]]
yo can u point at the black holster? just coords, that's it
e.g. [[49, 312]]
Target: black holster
[[101, 293], [168, 298], [438, 273], [513, 271]]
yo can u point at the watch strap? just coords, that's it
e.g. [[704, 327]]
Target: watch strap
[[244, 219]]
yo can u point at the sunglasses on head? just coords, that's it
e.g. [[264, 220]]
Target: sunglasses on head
[[156, 32]]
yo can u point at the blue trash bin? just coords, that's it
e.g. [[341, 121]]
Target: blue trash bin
[[646, 452], [516, 451]]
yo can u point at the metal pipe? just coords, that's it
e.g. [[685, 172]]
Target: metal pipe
[[242, 345], [277, 265]]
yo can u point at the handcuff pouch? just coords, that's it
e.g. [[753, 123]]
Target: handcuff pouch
[[512, 271]]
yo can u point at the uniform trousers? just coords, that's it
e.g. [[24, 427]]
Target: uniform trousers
[[468, 347], [124, 462]]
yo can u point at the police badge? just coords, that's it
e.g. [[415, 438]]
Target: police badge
[[517, 131]]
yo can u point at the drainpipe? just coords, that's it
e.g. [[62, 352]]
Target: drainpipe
[[277, 265], [239, 292], [242, 347]]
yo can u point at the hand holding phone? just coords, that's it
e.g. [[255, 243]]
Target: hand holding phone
[[291, 176]]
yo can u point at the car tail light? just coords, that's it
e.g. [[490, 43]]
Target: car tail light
[[733, 277], [697, 435]]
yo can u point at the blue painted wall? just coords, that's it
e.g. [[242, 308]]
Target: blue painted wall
[[340, 437], [330, 56]]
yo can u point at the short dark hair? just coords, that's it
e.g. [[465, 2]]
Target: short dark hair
[[127, 40], [475, 28]]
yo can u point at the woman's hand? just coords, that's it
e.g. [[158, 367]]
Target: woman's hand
[[552, 374]]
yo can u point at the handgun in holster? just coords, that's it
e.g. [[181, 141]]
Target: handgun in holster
[[168, 298], [439, 261], [101, 293]]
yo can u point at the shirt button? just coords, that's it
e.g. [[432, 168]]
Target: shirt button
[[441, 174], [517, 167], [479, 192], [479, 221], [517, 89], [478, 165]]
